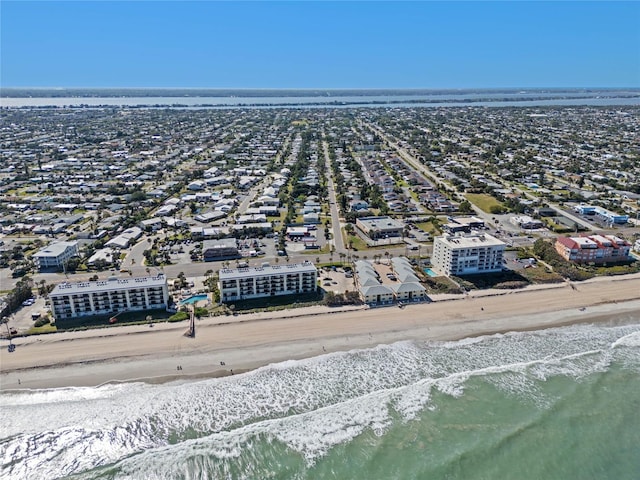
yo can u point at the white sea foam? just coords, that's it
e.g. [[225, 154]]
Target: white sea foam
[[308, 406], [630, 340]]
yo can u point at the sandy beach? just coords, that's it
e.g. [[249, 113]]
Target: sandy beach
[[233, 344]]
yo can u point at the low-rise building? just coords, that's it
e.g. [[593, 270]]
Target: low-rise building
[[56, 255], [526, 222], [467, 254], [380, 227], [594, 249], [463, 224], [113, 296], [373, 292], [223, 249], [126, 238], [268, 280], [602, 213]]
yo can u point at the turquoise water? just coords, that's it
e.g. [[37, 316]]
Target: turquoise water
[[430, 272], [194, 299], [554, 404]]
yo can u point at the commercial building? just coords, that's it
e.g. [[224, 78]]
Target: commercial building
[[594, 249], [55, 256], [467, 254], [268, 280], [223, 249], [526, 222], [113, 296], [602, 214], [380, 227], [463, 224]]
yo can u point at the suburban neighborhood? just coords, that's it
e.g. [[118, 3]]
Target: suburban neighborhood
[[121, 214]]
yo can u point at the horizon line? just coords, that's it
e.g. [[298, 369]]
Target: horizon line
[[317, 88]]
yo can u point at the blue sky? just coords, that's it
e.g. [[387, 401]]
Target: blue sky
[[320, 44]]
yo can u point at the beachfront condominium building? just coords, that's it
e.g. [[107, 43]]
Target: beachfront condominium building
[[594, 249], [268, 280], [56, 255], [467, 254], [106, 297]]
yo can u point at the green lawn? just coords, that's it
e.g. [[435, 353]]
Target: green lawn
[[48, 328], [429, 227], [277, 301], [483, 201], [157, 315], [358, 243]]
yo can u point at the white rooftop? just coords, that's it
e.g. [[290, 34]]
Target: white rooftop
[[113, 283], [471, 240], [54, 249], [232, 273], [585, 242]]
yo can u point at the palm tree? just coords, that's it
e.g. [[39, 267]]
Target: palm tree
[[386, 254]]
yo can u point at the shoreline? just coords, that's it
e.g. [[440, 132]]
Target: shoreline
[[234, 345]]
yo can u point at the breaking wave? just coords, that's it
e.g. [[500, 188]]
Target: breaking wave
[[209, 428]]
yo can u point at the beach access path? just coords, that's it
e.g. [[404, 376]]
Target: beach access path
[[234, 344]]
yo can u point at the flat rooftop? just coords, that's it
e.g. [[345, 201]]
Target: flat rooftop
[[381, 223], [233, 273], [471, 241], [54, 249], [113, 283]]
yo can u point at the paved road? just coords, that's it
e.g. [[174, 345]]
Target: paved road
[[135, 256], [410, 159], [337, 240]]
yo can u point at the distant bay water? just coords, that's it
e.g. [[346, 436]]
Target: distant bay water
[[273, 99], [556, 404]]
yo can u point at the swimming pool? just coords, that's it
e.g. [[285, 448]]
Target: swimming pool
[[194, 299], [430, 272]]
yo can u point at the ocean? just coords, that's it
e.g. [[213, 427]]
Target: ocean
[[560, 403]]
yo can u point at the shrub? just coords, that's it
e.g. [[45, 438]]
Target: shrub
[[41, 322], [201, 312], [178, 317]]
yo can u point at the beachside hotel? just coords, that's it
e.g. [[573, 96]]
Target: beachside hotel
[[112, 296], [265, 281], [467, 254]]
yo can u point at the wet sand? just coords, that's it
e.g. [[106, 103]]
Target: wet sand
[[234, 344]]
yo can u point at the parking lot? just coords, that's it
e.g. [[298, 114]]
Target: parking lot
[[22, 320], [337, 281]]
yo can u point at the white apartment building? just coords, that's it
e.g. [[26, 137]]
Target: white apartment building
[[268, 280], [70, 300], [55, 255], [467, 254]]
